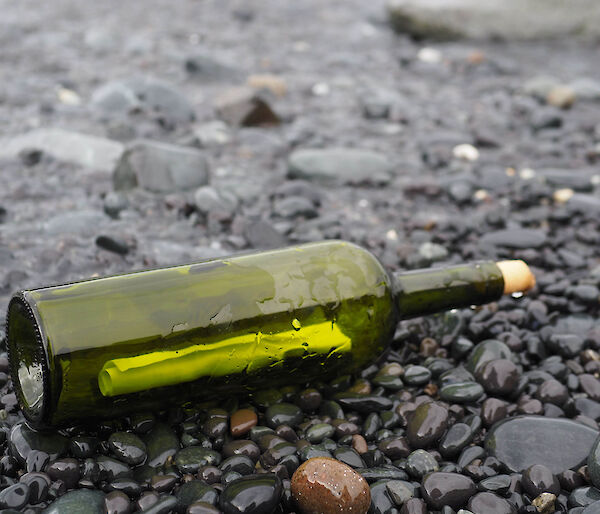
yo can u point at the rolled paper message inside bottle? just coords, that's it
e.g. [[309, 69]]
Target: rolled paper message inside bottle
[[151, 339]]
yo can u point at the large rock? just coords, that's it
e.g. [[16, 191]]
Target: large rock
[[146, 94], [558, 444], [496, 19], [89, 151], [160, 168], [339, 166]]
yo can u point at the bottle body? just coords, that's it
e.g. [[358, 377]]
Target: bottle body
[[151, 339]]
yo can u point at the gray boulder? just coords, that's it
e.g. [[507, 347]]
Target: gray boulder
[[89, 151], [146, 94], [339, 166], [160, 168], [496, 19]]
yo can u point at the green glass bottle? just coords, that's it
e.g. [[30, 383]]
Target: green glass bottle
[[146, 340]]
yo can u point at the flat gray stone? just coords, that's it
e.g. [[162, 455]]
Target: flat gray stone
[[496, 19], [143, 93], [88, 151], [339, 166], [160, 168], [522, 441]]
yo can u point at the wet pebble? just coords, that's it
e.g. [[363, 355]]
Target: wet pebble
[[195, 491], [450, 489], [23, 439], [117, 503], [66, 469], [329, 486], [499, 377], [522, 441], [539, 479], [419, 463], [490, 503], [190, 459], [283, 414], [461, 392], [252, 494], [427, 425], [242, 421], [82, 501], [127, 447]]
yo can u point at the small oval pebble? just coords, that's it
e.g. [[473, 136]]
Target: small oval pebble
[[328, 486]]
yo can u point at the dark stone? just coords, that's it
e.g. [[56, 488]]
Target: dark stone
[[254, 493], [127, 447], [195, 491], [161, 443], [363, 403], [427, 425], [82, 501], [538, 479], [451, 489], [190, 459], [461, 392], [489, 503], [23, 439], [283, 414]]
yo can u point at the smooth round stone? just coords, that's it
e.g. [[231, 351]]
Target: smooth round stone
[[202, 508], [552, 391], [490, 503], [522, 441], [417, 375], [195, 491], [349, 456], [283, 414], [450, 489], [23, 439], [590, 385], [487, 351], [457, 437], [190, 459], [251, 494], [242, 447], [499, 484], [126, 485], [499, 377], [164, 483], [584, 496], [381, 500], [38, 486], [66, 470], [364, 403], [110, 468], [400, 491], [238, 463], [83, 447], [492, 411], [164, 505], [427, 425], [14, 497], [161, 443], [538, 479], [81, 501], [127, 447], [242, 421], [419, 463], [329, 486], [395, 447], [309, 400], [462, 392], [117, 503], [318, 432], [593, 462], [387, 472], [592, 508], [215, 427]]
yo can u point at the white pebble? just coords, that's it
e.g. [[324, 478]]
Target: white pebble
[[466, 152], [527, 173], [429, 55], [68, 96], [320, 89], [563, 195]]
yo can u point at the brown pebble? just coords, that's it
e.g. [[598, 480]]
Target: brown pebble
[[428, 347], [359, 444], [242, 421], [327, 486], [544, 503]]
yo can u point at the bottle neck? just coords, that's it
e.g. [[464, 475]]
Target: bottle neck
[[427, 291]]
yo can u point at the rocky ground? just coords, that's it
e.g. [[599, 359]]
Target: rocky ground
[[140, 134]]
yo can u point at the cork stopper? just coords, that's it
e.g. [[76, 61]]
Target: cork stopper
[[517, 276]]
